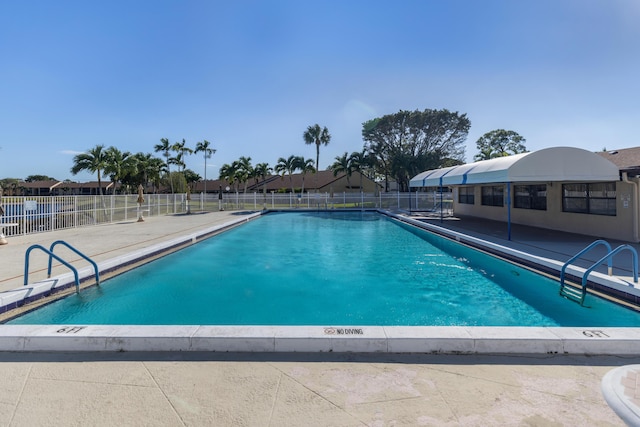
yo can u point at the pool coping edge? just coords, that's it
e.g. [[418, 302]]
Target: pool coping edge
[[338, 339]]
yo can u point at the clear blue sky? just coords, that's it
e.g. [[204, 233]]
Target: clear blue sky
[[250, 76]]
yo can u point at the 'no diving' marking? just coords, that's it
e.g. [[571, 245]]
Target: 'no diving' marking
[[343, 331]]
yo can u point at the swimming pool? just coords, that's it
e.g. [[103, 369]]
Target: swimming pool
[[329, 268]]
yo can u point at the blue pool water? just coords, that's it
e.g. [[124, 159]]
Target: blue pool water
[[342, 268]]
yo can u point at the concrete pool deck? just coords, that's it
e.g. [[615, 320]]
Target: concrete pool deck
[[230, 389], [273, 388]]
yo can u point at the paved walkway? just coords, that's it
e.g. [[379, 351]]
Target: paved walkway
[[302, 390], [286, 389], [552, 244], [100, 243]]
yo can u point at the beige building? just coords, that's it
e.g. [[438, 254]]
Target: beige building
[[561, 188]]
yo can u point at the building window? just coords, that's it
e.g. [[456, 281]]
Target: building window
[[595, 199], [466, 195], [530, 197], [493, 195]]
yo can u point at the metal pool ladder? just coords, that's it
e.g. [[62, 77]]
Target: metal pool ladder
[[52, 256], [578, 294]]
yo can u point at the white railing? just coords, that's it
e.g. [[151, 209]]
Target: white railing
[[36, 214], [347, 200]]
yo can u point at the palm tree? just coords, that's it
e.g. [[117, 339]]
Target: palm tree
[[191, 177], [155, 170], [165, 147], [118, 165], [181, 150], [261, 170], [94, 161], [318, 136], [203, 147], [9, 184], [145, 169], [177, 160], [305, 165], [485, 154], [343, 165], [229, 173], [359, 161], [287, 166], [245, 171]]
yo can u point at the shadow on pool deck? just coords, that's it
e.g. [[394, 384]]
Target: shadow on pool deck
[[514, 359]]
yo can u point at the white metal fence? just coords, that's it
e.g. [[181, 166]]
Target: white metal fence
[[255, 201], [35, 214]]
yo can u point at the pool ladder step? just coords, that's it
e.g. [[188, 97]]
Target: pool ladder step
[[52, 256], [572, 293], [578, 294]]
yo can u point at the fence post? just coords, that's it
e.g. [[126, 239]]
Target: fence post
[[52, 219], [24, 216]]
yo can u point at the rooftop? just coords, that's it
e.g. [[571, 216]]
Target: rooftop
[[626, 159]]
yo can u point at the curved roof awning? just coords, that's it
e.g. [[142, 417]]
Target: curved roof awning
[[546, 165]]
